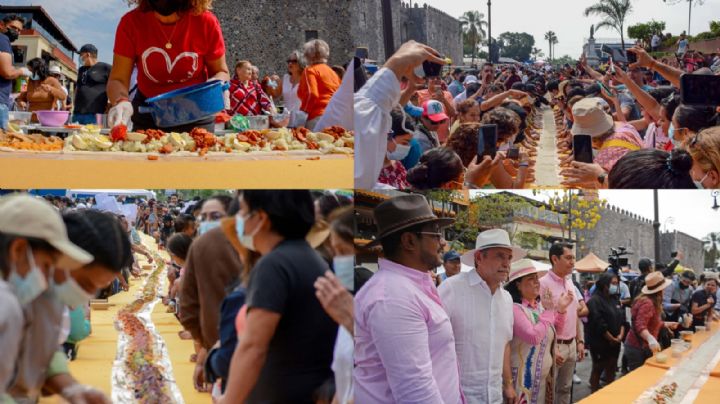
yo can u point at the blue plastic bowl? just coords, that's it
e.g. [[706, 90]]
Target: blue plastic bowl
[[186, 105]]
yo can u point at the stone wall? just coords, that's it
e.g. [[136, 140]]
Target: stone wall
[[266, 31], [619, 228], [691, 248], [439, 30]]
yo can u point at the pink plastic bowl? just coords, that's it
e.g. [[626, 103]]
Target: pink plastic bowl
[[52, 118]]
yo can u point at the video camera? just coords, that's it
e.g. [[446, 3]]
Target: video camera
[[618, 259]]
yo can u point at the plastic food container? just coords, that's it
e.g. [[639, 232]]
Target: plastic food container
[[52, 118], [678, 347], [259, 122], [186, 105], [700, 328], [20, 117], [686, 336]]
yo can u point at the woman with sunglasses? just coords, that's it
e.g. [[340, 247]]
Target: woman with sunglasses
[[290, 82]]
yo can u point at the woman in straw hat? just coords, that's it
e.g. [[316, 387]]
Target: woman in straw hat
[[536, 319], [642, 342]]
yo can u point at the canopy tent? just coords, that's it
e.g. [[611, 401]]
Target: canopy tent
[[85, 193], [591, 264]]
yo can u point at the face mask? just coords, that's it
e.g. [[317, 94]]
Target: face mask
[[69, 292], [207, 226], [30, 287], [344, 266], [246, 240], [401, 151], [166, 7], [35, 77], [699, 184], [12, 35], [613, 289], [683, 286]]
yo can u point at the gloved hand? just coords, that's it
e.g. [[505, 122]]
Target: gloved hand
[[653, 343], [120, 114], [25, 72], [226, 99]]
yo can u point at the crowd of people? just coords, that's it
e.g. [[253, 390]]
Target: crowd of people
[[189, 33], [251, 278], [423, 133], [505, 331]]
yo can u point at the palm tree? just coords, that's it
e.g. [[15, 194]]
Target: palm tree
[[552, 39], [472, 23], [614, 13], [537, 53], [554, 42]]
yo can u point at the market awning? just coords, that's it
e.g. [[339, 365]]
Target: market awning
[[591, 264]]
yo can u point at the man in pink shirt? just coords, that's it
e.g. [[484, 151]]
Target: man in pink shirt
[[569, 339], [404, 343]]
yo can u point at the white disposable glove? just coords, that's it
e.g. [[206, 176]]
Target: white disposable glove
[[654, 345], [120, 114], [226, 99], [25, 72]]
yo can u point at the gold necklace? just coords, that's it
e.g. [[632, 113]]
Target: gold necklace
[[168, 45]]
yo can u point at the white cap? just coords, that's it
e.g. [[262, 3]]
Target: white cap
[[470, 79], [25, 216], [55, 70]]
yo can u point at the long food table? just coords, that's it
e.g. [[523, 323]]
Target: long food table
[[97, 353], [630, 387], [20, 169]]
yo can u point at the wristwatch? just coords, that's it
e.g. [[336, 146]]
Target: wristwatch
[[601, 178]]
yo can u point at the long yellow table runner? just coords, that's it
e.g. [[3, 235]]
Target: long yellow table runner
[[629, 387], [96, 354]]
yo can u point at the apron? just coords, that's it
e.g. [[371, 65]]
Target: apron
[[532, 365]]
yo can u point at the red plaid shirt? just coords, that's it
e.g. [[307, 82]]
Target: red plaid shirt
[[248, 100]]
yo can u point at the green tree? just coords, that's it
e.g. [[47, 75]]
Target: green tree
[[614, 13], [565, 59], [516, 45], [537, 53], [712, 252], [473, 26], [552, 39], [645, 31]]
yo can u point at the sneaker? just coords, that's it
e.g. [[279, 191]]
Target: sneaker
[[576, 380]]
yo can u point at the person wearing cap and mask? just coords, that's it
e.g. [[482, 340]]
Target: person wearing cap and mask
[[55, 72], [90, 93], [677, 296], [43, 91], [212, 264], [433, 117], [536, 320], [40, 257], [13, 24], [455, 87], [285, 338], [173, 44], [404, 343], [482, 337], [393, 173]]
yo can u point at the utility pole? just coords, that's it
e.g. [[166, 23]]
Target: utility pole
[[490, 44], [389, 41]]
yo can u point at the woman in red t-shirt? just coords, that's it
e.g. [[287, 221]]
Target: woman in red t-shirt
[[173, 44]]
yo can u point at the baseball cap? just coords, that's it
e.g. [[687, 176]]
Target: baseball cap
[[451, 255], [54, 70], [434, 111], [457, 70], [470, 79], [89, 48], [25, 216]]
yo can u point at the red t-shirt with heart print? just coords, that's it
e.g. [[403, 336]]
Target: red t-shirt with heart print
[[195, 39]]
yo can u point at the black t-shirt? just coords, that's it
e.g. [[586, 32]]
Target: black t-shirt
[[700, 297], [301, 351], [5, 84], [90, 96]]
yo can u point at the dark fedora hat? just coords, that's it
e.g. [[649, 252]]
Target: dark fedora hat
[[402, 212]]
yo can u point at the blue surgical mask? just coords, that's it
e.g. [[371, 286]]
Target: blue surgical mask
[[401, 151], [207, 226], [246, 240], [614, 289], [344, 266], [32, 285], [69, 292]]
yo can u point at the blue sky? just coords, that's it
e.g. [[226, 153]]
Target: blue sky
[[84, 21]]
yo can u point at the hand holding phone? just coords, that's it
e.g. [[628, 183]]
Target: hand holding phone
[[582, 149], [487, 141]]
